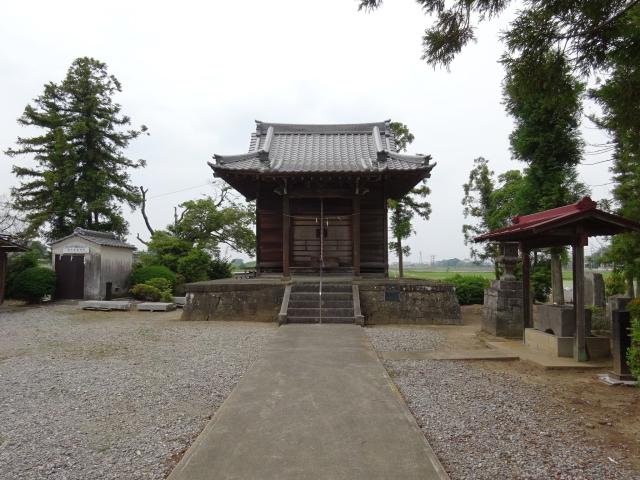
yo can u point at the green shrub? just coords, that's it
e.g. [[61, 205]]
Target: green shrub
[[633, 353], [178, 288], [18, 264], [166, 296], [615, 284], [34, 283], [219, 269], [164, 286], [160, 283], [469, 288], [541, 280], [142, 291], [144, 274], [194, 265]]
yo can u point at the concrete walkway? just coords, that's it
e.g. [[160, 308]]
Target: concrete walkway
[[317, 405]]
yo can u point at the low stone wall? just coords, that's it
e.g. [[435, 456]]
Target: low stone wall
[[233, 300], [382, 301], [419, 302]]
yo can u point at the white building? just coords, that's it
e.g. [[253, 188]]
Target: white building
[[91, 265]]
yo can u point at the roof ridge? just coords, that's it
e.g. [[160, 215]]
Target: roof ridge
[[320, 128], [95, 233], [583, 204]]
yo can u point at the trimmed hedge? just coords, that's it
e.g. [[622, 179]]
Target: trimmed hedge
[[144, 274], [469, 288], [34, 283]]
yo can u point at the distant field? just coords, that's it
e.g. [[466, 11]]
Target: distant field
[[567, 275], [441, 275]]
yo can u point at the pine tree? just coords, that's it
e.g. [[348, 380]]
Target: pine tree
[[81, 177], [405, 209]]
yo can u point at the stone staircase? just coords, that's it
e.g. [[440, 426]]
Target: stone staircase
[[303, 304]]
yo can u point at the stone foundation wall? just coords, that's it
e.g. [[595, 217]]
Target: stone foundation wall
[[418, 302], [233, 301], [382, 301]]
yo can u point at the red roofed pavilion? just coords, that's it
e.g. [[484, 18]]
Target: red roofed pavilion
[[568, 225]]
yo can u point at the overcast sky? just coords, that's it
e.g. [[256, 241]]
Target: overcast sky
[[199, 73]]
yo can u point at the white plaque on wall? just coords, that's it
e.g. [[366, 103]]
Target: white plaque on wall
[[75, 249]]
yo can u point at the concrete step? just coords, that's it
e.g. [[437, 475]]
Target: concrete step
[[106, 305], [325, 303], [311, 296], [315, 287], [318, 320], [315, 312], [156, 307]]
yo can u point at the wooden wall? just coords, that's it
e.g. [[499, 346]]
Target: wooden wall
[[373, 232], [269, 232], [339, 245]]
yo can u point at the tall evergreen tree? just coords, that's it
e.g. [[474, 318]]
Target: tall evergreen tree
[[81, 177], [619, 96], [405, 209], [544, 98]]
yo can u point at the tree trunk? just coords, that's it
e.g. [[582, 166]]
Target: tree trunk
[[399, 253], [496, 270], [629, 278], [143, 209], [638, 286], [557, 288]]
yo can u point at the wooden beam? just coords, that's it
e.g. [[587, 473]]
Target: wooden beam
[[526, 287], [286, 236], [355, 225], [580, 345]]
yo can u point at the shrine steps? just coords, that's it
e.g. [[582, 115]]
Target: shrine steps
[[306, 304]]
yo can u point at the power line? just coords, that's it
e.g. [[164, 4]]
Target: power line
[[597, 163], [178, 191], [602, 184]]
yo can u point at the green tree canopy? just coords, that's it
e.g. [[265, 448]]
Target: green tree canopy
[[81, 176], [491, 204], [586, 30], [405, 209]]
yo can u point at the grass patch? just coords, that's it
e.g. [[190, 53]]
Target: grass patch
[[442, 275]]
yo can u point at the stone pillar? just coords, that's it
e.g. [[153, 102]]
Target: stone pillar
[[503, 300], [620, 343], [594, 290]]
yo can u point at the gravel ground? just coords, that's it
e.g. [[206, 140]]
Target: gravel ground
[[118, 395], [490, 425], [405, 338]]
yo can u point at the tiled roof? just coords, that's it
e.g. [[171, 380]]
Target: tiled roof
[[524, 226], [100, 238], [8, 245], [348, 148]]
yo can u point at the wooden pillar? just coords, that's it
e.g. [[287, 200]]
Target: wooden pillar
[[526, 288], [385, 213], [286, 237], [3, 274], [580, 345], [258, 221], [355, 225]]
